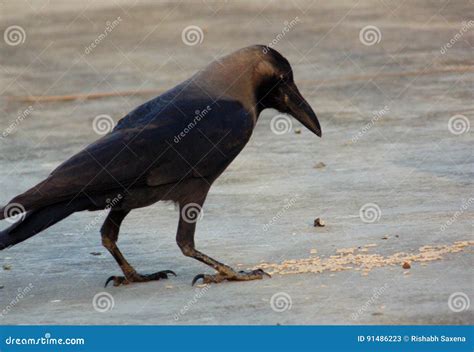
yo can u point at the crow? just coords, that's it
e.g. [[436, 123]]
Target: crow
[[171, 148]]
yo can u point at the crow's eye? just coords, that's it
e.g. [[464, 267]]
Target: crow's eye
[[283, 78]]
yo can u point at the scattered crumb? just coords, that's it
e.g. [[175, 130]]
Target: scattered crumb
[[346, 250], [55, 301], [377, 313], [358, 260], [385, 238], [96, 253], [406, 273], [7, 267], [169, 287], [406, 265], [1, 286], [313, 251], [320, 165], [297, 130], [318, 222]]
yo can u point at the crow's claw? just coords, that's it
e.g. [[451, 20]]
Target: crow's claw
[[134, 277], [260, 271], [112, 278], [257, 274], [196, 278]]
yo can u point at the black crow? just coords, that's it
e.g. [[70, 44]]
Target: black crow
[[171, 148]]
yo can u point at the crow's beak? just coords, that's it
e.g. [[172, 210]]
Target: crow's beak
[[299, 108]]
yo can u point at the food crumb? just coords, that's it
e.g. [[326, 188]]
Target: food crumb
[[297, 130], [318, 222], [7, 267], [319, 165], [406, 265]]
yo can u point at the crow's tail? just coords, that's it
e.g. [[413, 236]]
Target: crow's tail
[[35, 221]]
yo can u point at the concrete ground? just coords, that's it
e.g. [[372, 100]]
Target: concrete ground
[[395, 103]]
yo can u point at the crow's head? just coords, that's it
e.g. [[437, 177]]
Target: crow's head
[[277, 90]]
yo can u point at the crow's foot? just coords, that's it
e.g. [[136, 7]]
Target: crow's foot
[[135, 277], [257, 274]]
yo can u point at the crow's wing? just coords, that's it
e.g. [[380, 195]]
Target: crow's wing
[[146, 152], [120, 160]]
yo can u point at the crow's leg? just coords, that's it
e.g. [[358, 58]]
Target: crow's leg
[[185, 240], [110, 230]]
